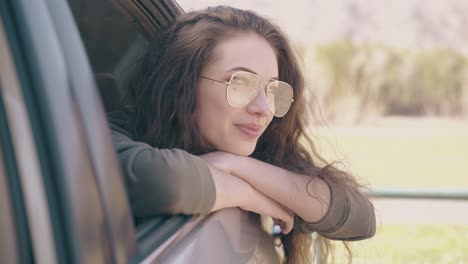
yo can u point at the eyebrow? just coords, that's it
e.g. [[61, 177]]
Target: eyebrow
[[240, 68]]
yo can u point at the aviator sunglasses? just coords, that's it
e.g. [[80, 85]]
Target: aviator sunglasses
[[244, 86]]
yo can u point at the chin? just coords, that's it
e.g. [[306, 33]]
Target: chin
[[243, 150], [238, 148], [244, 153]]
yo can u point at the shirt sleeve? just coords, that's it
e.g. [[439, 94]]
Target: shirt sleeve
[[162, 181], [350, 216]]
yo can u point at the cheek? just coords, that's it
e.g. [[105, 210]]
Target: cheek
[[212, 113], [215, 126]]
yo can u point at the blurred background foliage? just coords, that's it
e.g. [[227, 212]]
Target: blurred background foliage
[[355, 81]]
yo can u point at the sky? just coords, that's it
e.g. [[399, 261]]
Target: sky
[[398, 23]]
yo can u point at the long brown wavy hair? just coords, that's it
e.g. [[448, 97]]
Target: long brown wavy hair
[[163, 98]]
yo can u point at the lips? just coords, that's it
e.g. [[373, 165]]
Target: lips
[[250, 130]]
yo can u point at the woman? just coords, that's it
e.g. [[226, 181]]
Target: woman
[[217, 118]]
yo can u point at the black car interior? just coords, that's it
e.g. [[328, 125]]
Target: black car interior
[[114, 32]]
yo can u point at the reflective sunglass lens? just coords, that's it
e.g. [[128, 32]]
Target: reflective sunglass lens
[[279, 96], [242, 89]]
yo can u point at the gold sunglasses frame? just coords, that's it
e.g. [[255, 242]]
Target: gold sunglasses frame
[[262, 79]]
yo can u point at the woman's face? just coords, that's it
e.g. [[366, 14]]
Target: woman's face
[[235, 129]]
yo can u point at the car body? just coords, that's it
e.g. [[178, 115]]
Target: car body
[[62, 196]]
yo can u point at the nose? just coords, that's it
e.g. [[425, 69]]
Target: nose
[[259, 105]]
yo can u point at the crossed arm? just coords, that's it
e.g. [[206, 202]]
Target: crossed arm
[[172, 181], [281, 186], [330, 208]]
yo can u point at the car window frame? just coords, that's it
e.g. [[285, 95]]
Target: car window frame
[[153, 233], [9, 249], [22, 181], [14, 230], [96, 133], [79, 228]]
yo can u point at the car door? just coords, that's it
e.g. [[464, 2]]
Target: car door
[[75, 206]]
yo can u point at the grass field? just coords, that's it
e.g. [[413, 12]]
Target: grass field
[[402, 152], [411, 244]]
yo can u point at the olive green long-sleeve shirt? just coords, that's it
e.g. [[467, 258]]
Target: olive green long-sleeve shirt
[[173, 181]]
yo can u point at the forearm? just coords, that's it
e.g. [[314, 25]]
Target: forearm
[[167, 182], [287, 188], [229, 189], [335, 210], [232, 191], [329, 206], [162, 181], [351, 215]]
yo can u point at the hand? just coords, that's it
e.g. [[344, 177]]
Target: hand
[[232, 191], [261, 204]]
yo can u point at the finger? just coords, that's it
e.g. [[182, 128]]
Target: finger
[[269, 207], [276, 221], [285, 221], [278, 225], [288, 226]]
